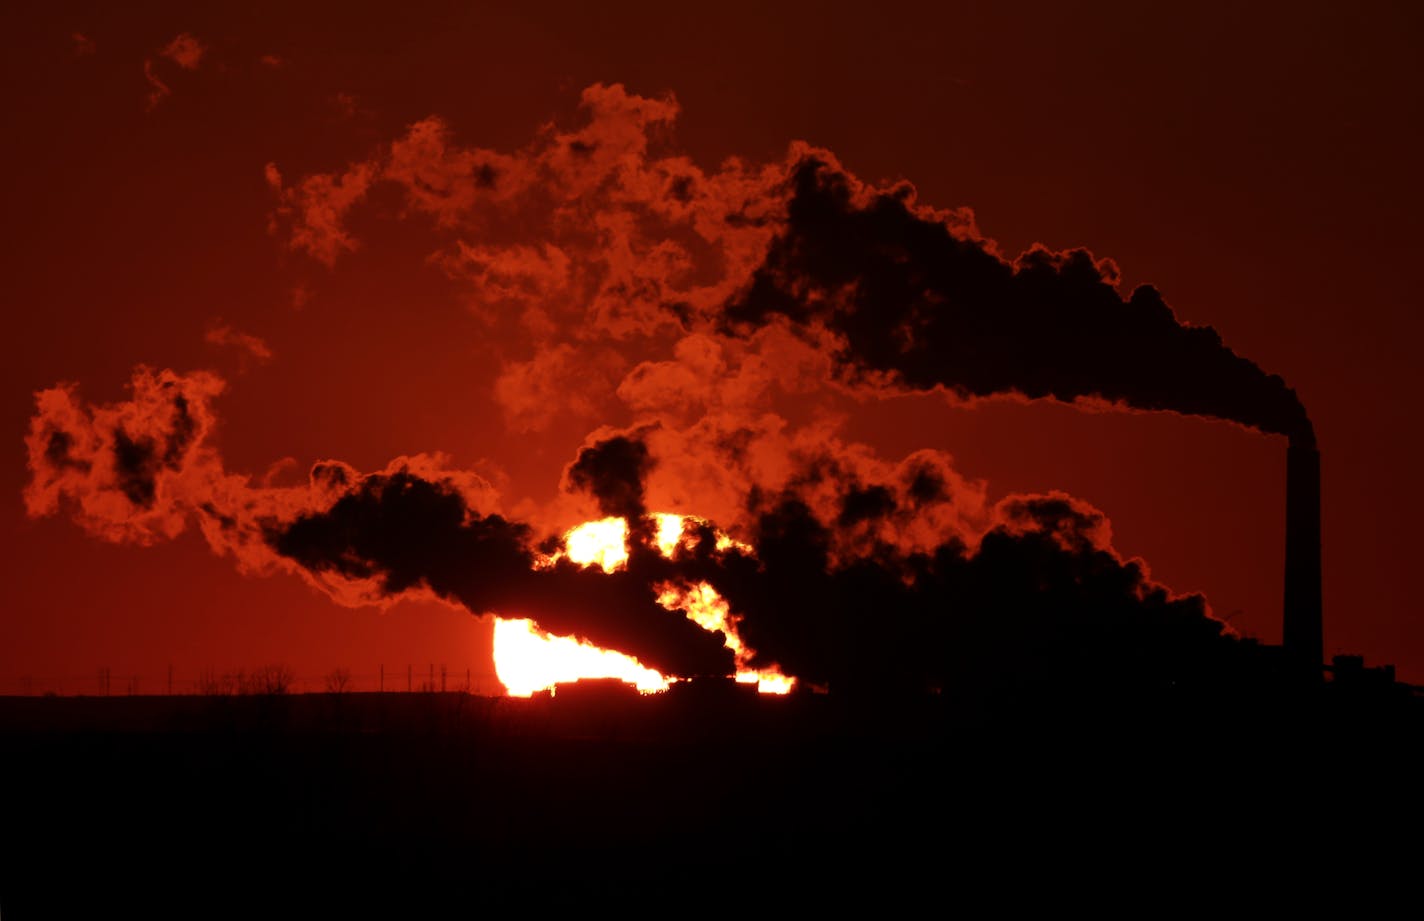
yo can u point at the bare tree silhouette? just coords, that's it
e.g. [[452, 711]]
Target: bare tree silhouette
[[269, 679]]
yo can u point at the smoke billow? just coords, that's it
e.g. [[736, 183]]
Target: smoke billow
[[828, 589], [833, 581], [690, 301], [613, 471], [140, 470], [124, 471], [404, 533], [919, 299], [613, 240]]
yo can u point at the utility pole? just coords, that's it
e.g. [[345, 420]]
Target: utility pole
[[442, 679], [407, 678], [383, 678]]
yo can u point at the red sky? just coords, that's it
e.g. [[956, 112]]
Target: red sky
[[1259, 167]]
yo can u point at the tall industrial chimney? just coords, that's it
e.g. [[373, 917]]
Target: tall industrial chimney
[[1302, 634]]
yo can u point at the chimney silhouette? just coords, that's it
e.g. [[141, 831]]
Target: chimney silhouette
[[1302, 633]]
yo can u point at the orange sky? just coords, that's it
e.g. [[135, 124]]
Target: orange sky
[[1258, 167]]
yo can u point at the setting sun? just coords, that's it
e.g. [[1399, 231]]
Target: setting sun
[[528, 660]]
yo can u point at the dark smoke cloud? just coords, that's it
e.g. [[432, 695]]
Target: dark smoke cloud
[[613, 471], [837, 579], [1039, 600], [693, 299], [920, 297], [139, 471], [408, 534], [898, 294]]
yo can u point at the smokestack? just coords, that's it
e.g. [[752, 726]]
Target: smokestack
[[1302, 634]]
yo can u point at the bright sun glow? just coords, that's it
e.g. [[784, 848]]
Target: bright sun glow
[[528, 660], [602, 543], [669, 533], [710, 611]]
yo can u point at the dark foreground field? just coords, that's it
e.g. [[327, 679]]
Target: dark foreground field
[[409, 805]]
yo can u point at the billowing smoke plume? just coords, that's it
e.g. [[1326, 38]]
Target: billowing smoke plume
[[832, 585], [919, 298], [618, 241], [405, 533], [829, 589], [613, 471], [128, 471], [140, 471], [683, 305]]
